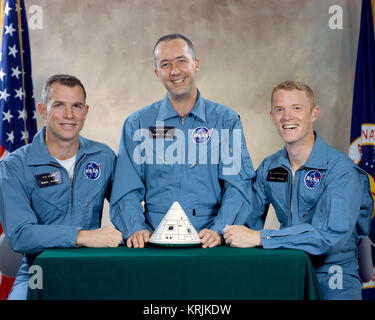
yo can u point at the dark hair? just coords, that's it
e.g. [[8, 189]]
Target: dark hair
[[175, 36], [63, 79]]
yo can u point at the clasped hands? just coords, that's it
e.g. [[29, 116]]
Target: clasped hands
[[234, 236], [209, 238]]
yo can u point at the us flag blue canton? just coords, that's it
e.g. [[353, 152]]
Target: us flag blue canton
[[17, 108], [362, 148]]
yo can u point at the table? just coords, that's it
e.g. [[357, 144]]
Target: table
[[220, 273]]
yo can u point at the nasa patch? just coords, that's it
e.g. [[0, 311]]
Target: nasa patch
[[201, 135], [312, 179], [92, 170]]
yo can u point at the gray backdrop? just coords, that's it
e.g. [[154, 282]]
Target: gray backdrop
[[245, 48]]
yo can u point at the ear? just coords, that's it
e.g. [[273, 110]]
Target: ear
[[272, 117], [157, 73], [315, 113], [197, 64], [42, 109], [87, 110]]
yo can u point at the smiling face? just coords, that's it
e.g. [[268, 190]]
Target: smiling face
[[293, 114], [65, 113], [176, 68]]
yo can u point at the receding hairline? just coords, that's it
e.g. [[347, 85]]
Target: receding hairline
[[64, 80], [172, 37]]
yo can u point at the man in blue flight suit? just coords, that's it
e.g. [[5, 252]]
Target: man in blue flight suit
[[183, 148], [321, 198], [52, 190]]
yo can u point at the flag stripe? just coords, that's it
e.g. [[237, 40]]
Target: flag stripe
[[1, 21], [3, 154], [22, 66]]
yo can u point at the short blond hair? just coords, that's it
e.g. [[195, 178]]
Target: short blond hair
[[295, 85]]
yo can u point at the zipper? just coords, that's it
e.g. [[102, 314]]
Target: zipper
[[291, 197], [93, 197], [306, 213], [156, 154], [270, 237], [193, 165], [286, 235], [237, 214]]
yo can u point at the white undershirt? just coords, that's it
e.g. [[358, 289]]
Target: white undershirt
[[68, 164], [293, 173]]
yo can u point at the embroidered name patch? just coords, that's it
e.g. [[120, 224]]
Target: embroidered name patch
[[161, 132], [312, 179], [278, 175], [48, 179], [201, 135], [92, 170]]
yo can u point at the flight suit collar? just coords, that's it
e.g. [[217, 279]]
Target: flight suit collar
[[166, 110], [318, 158], [39, 154]]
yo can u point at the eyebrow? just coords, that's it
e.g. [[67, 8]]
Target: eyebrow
[[64, 102], [292, 105], [166, 60]]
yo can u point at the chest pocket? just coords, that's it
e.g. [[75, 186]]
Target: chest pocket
[[94, 197], [49, 194], [90, 187], [154, 162], [311, 185], [91, 206]]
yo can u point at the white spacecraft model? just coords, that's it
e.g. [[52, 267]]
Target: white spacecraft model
[[175, 230]]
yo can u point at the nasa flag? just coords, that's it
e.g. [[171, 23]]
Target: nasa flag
[[362, 147]]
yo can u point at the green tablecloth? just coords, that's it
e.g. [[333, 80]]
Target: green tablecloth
[[176, 273]]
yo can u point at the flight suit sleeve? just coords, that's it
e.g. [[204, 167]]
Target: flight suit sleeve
[[260, 201], [334, 217], [112, 161], [128, 189], [18, 219], [236, 173]]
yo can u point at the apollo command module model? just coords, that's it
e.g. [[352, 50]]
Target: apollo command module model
[[175, 230]]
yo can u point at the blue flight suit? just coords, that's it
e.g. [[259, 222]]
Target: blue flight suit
[[41, 208], [323, 210], [188, 161]]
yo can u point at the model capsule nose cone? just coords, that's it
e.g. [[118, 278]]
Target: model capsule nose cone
[[176, 206], [175, 229]]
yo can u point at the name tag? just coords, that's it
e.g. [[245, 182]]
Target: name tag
[[48, 179], [278, 175], [161, 132]]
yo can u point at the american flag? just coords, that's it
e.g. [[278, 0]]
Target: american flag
[[17, 108]]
